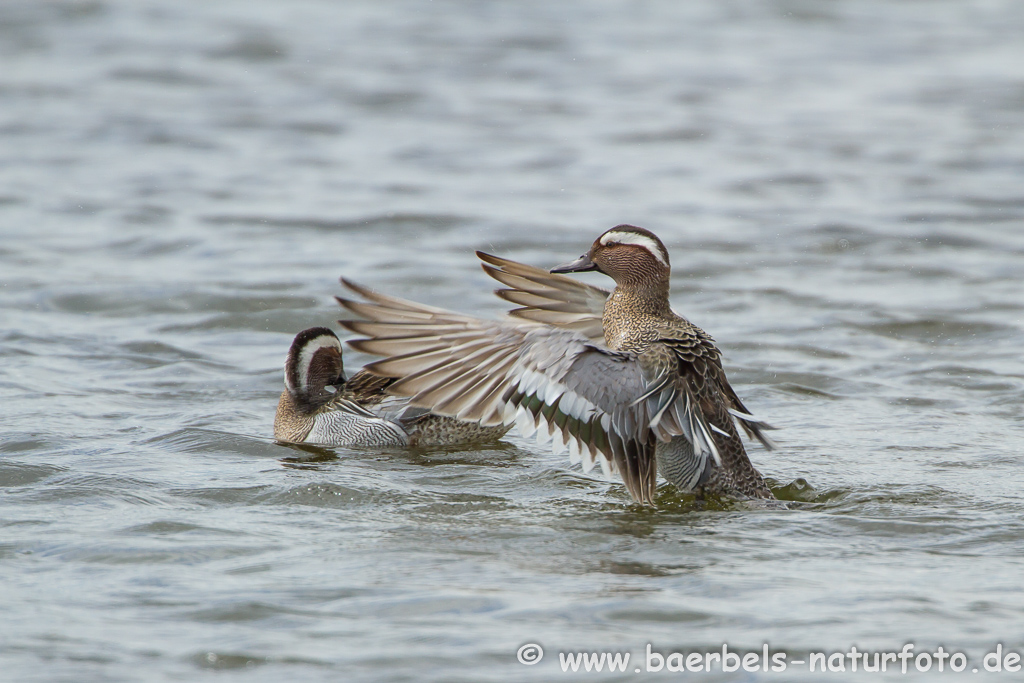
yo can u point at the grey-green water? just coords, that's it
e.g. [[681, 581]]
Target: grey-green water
[[841, 187]]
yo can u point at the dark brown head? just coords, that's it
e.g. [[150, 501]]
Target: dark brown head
[[627, 254], [314, 363]]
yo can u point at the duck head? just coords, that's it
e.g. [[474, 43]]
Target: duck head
[[314, 363], [626, 253]]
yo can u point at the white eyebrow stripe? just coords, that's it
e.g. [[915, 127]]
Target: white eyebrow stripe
[[308, 351], [613, 237]]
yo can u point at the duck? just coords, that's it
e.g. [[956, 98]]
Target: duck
[[615, 377], [320, 406]]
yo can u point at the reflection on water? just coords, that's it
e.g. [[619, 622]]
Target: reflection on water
[[840, 189]]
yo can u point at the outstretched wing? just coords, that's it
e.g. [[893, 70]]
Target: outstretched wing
[[565, 302], [607, 407], [548, 298]]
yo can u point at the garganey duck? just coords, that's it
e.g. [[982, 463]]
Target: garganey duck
[[618, 377], [357, 412]]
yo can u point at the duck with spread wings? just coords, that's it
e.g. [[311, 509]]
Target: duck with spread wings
[[617, 378]]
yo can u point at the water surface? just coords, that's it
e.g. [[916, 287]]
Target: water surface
[[840, 185]]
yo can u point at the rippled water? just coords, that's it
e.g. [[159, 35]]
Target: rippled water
[[841, 186]]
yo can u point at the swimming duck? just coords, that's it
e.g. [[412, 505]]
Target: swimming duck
[[617, 377], [357, 412]]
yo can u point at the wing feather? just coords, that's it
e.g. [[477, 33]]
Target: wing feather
[[604, 407], [548, 298]]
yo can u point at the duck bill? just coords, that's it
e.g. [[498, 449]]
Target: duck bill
[[583, 263]]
